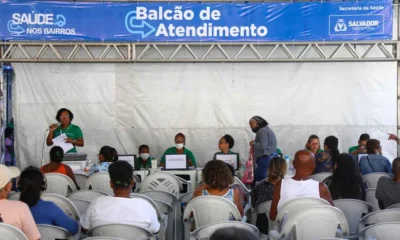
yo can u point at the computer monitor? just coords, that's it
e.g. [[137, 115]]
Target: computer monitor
[[176, 162], [130, 158], [230, 158]]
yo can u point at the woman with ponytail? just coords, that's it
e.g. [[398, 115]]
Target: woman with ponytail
[[106, 156], [326, 161], [31, 184]]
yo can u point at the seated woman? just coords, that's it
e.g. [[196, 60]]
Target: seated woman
[[264, 191], [218, 179], [180, 141], [313, 144], [374, 162], [31, 184], [346, 181], [225, 145], [106, 156], [326, 160], [56, 165]]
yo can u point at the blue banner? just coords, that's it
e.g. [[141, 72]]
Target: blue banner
[[196, 22]]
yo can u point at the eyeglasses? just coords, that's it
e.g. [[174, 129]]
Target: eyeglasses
[[222, 142], [62, 117]]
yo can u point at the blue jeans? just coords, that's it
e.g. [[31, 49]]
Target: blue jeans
[[260, 172]]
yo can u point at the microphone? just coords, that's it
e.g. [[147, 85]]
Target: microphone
[[57, 123]]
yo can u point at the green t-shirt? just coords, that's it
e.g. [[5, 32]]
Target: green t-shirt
[[72, 131], [352, 149], [139, 163], [172, 150]]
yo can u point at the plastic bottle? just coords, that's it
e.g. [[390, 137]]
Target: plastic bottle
[[287, 159]]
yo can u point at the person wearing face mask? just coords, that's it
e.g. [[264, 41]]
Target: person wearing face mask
[[374, 162], [179, 149], [264, 146], [144, 159]]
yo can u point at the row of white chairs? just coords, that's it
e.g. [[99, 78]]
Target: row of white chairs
[[370, 179]]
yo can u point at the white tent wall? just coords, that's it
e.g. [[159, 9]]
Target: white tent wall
[[125, 105]]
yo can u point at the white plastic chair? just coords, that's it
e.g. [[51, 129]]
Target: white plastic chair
[[371, 199], [244, 188], [14, 196], [372, 179], [394, 206], [87, 195], [185, 198], [8, 232], [101, 182], [81, 205], [353, 210], [50, 232], [295, 204], [60, 184], [162, 217], [123, 231], [314, 223], [161, 196], [206, 231], [381, 231], [263, 208], [207, 210], [81, 179], [320, 177], [161, 181], [64, 203], [387, 215]]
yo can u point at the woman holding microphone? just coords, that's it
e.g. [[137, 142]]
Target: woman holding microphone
[[73, 132], [264, 147]]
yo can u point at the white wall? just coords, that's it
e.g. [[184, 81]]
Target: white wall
[[125, 105]]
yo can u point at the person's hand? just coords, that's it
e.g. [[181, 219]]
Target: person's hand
[[251, 143], [69, 140], [393, 137], [53, 127]]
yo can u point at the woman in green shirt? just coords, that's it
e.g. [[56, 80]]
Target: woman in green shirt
[[179, 148], [73, 132]]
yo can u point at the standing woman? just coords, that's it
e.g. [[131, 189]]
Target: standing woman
[[73, 132], [264, 146]]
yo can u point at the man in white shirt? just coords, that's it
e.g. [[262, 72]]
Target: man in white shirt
[[121, 208], [15, 213]]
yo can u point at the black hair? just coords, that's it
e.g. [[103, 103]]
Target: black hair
[[8, 132], [261, 122], [31, 184], [372, 145], [229, 140], [332, 143], [109, 153], [346, 179], [396, 166], [231, 233], [121, 174], [364, 137], [182, 135], [143, 147], [217, 175], [231, 169], [56, 154], [71, 115]]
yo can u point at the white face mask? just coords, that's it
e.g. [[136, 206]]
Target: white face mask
[[179, 145], [144, 156]]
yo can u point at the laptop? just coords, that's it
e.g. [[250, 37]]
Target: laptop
[[130, 158], [176, 162], [230, 158]]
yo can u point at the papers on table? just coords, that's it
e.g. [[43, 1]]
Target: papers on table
[[60, 141], [231, 159], [175, 161], [128, 158]]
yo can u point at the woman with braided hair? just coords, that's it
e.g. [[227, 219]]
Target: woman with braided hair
[[264, 191]]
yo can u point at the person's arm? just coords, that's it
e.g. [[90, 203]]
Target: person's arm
[[380, 192], [28, 224], [324, 193], [192, 159], [50, 136], [162, 161], [79, 138], [394, 137], [71, 175], [275, 200], [388, 166], [198, 191], [85, 218], [237, 201], [62, 220]]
